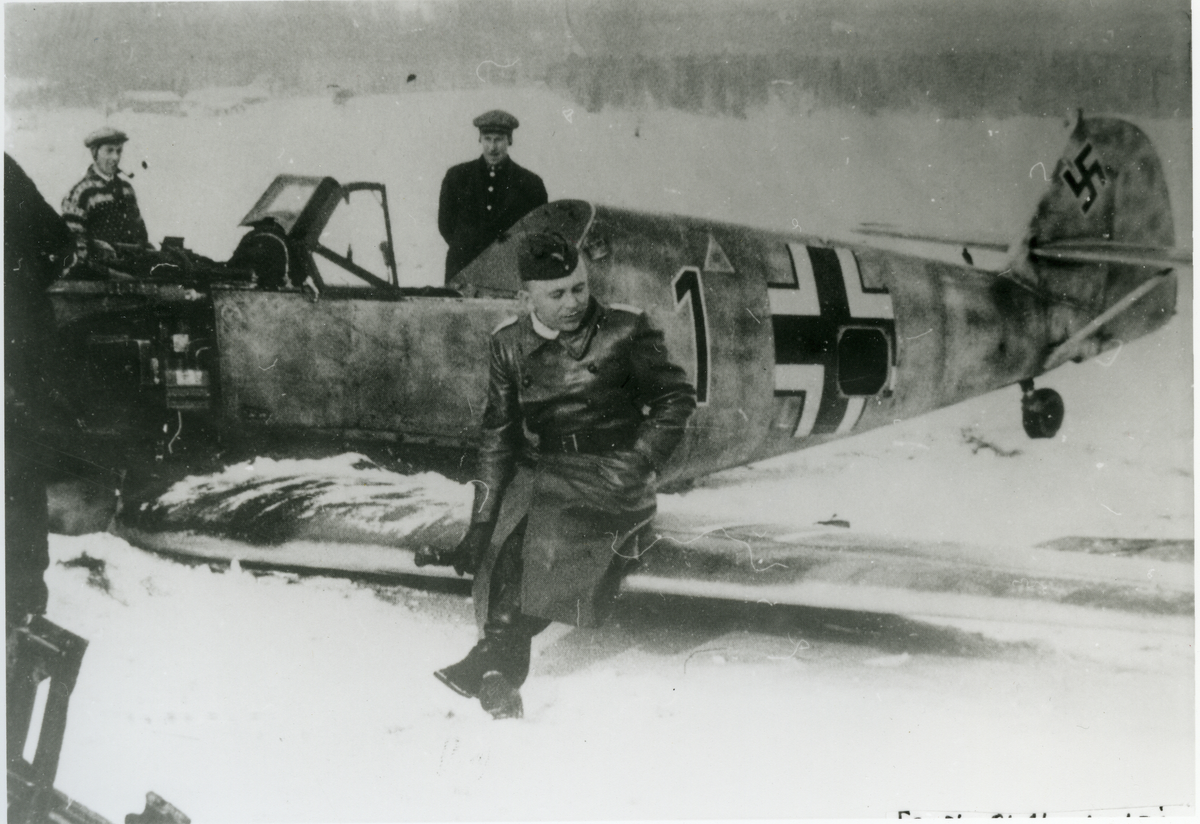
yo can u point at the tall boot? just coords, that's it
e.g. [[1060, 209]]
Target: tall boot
[[513, 642], [493, 670], [509, 632], [498, 665], [508, 643], [500, 697], [507, 629], [466, 677]]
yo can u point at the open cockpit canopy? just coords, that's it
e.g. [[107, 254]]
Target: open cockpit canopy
[[346, 227]]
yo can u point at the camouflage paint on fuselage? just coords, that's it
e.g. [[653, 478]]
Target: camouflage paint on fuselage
[[354, 363], [791, 340]]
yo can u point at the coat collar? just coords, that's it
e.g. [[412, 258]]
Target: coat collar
[[575, 343], [542, 329], [502, 167]]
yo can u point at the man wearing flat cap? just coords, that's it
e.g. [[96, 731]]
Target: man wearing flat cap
[[481, 199], [101, 209], [550, 541]]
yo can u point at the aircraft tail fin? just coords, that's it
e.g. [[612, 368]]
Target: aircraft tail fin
[[1100, 245], [1107, 203], [1107, 186]]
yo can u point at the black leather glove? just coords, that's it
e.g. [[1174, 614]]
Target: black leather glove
[[465, 557]]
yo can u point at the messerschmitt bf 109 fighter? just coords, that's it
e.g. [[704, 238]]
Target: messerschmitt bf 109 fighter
[[791, 340]]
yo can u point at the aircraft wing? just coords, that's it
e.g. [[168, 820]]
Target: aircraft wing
[[837, 568], [1075, 581], [1062, 251], [346, 516]]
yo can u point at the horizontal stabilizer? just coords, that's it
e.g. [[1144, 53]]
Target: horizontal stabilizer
[[1102, 251], [1063, 251], [996, 243]]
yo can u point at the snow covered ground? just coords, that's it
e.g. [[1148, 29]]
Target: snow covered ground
[[244, 698], [276, 698]]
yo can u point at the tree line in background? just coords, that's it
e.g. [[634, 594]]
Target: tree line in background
[[722, 59], [953, 84]]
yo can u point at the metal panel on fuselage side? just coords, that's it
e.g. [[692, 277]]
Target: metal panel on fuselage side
[[961, 332], [412, 367], [701, 283]]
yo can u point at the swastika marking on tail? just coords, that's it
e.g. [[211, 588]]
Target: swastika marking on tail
[[1083, 183]]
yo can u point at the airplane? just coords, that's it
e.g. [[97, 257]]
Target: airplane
[[792, 340]]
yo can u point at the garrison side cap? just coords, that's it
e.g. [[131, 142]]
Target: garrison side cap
[[103, 135], [545, 256], [494, 272], [497, 121]]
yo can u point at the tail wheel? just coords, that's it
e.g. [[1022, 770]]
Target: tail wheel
[[1042, 413]]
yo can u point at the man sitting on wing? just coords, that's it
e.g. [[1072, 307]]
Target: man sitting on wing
[[550, 542]]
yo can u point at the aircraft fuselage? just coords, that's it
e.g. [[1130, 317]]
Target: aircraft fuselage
[[791, 341]]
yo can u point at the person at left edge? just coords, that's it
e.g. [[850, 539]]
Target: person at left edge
[[480, 200], [102, 210], [37, 243]]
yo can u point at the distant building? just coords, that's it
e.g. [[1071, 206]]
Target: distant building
[[152, 102], [224, 99]]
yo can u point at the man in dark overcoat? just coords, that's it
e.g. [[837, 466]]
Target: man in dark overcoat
[[549, 541], [481, 199], [37, 244]]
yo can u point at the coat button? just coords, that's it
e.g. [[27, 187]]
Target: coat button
[[593, 368], [527, 382], [491, 188], [489, 207]]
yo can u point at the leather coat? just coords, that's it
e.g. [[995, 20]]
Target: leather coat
[[596, 380], [606, 409]]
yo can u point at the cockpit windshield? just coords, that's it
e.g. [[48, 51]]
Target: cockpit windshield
[[345, 229], [285, 200]]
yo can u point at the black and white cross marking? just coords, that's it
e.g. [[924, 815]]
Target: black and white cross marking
[[825, 299]]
